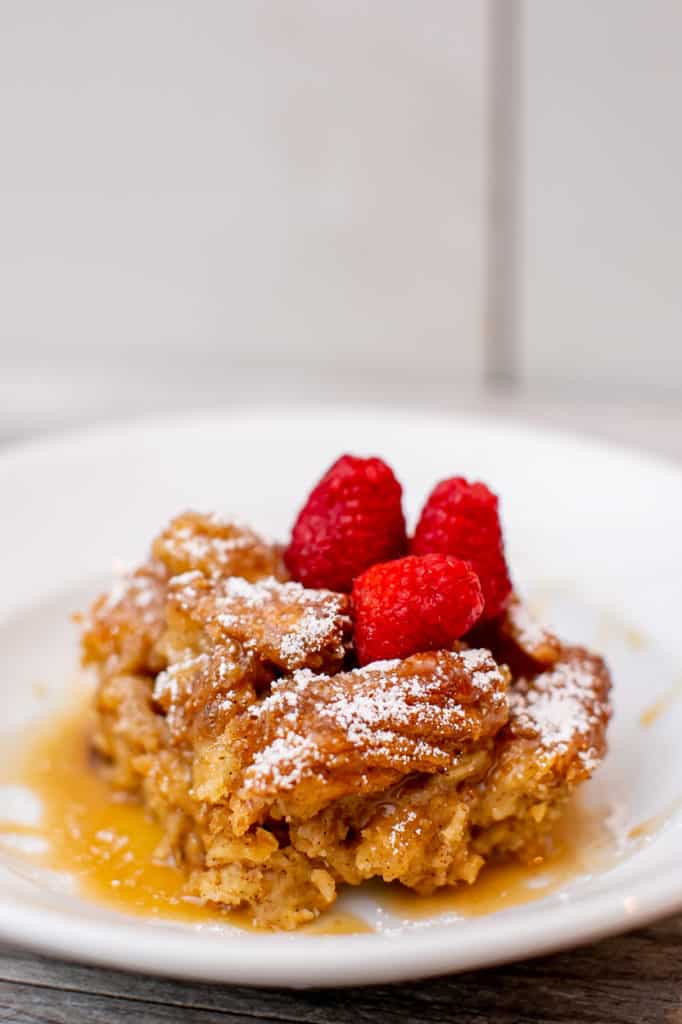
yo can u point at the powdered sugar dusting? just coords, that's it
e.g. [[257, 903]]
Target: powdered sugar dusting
[[168, 687], [382, 666], [531, 633], [397, 836], [563, 707], [199, 547], [532, 637], [298, 622], [183, 578], [397, 713], [253, 595], [312, 632], [138, 589], [218, 547], [285, 761], [485, 673]]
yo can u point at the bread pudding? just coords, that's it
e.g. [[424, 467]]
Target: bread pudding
[[250, 714]]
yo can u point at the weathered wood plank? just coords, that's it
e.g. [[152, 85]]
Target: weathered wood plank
[[27, 1004], [631, 979]]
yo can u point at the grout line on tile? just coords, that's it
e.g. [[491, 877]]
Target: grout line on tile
[[501, 339]]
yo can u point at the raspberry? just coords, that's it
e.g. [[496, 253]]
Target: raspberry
[[352, 519], [417, 603], [462, 519]]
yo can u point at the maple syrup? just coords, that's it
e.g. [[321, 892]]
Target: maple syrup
[[654, 711], [582, 842], [107, 842]]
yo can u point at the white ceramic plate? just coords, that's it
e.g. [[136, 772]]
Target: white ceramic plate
[[593, 529]]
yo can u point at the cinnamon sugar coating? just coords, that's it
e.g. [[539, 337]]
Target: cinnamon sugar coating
[[279, 772]]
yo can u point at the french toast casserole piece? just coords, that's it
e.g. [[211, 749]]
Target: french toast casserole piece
[[228, 702]]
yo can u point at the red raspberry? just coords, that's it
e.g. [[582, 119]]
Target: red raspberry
[[462, 519], [414, 604], [352, 519]]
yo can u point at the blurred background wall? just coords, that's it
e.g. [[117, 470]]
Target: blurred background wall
[[443, 202]]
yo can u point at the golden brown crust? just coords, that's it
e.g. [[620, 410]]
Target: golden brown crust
[[123, 627], [415, 831], [555, 738], [127, 725], [203, 693], [217, 547], [282, 885], [277, 775], [535, 641], [284, 624], [565, 709], [316, 738]]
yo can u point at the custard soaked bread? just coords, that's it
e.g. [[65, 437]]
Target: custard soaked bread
[[231, 703]]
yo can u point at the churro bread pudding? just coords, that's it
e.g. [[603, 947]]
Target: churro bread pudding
[[357, 704]]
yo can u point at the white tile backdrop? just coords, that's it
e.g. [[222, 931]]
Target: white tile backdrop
[[197, 199], [601, 274], [220, 200]]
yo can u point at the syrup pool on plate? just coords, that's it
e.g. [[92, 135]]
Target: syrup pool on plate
[[76, 825], [582, 842]]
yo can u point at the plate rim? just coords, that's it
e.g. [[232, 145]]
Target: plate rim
[[339, 960], [17, 448], [285, 960]]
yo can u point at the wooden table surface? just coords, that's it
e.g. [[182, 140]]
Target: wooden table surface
[[633, 979], [630, 978]]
